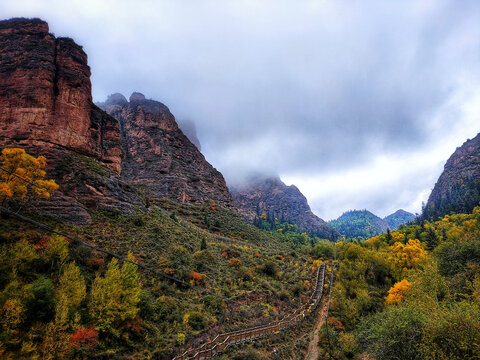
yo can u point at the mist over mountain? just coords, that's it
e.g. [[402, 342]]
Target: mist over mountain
[[342, 101], [268, 196]]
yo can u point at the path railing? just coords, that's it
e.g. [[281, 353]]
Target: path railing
[[221, 342]]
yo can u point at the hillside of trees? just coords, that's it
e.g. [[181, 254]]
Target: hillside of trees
[[360, 224], [413, 293]]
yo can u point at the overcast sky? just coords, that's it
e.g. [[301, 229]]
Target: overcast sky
[[357, 103]]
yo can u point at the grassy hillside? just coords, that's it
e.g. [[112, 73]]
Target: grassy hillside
[[229, 274]]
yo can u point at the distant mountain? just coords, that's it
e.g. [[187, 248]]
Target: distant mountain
[[458, 188], [359, 223], [270, 196], [398, 218]]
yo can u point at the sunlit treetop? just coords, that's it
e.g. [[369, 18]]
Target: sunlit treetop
[[22, 175]]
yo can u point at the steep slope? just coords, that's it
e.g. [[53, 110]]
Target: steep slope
[[458, 188], [46, 108], [359, 223], [277, 200], [398, 218], [159, 156]]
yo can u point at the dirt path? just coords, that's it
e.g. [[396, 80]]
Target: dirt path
[[313, 346]]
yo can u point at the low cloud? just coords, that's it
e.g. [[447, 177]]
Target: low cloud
[[314, 91]]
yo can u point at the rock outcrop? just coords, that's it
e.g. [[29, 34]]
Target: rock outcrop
[[45, 94], [159, 156], [46, 108], [277, 200], [458, 188]]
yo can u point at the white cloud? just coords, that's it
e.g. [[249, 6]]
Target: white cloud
[[357, 103]]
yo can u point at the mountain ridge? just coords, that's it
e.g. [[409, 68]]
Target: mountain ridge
[[365, 224], [269, 195], [458, 187]]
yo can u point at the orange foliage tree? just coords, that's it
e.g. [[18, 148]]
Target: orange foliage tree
[[196, 278], [84, 336], [19, 171], [397, 292], [234, 262]]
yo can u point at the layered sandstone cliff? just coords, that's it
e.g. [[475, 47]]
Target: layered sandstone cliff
[[159, 156], [45, 94], [46, 108]]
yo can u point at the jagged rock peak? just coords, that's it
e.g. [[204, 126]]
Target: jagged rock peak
[[159, 155], [458, 187], [45, 94], [46, 108], [136, 96]]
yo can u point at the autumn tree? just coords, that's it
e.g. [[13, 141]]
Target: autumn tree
[[407, 256], [21, 174], [398, 291], [115, 296], [72, 286]]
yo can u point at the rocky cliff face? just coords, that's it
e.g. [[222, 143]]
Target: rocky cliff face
[[159, 156], [286, 203], [45, 94], [46, 108], [458, 188]]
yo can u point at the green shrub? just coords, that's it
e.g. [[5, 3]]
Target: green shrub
[[197, 321], [393, 334], [269, 268], [40, 303]]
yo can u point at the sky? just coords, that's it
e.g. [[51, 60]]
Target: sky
[[357, 103]]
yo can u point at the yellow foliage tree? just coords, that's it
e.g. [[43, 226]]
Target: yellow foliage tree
[[114, 298], [397, 292], [407, 256], [19, 171], [11, 316], [72, 286]]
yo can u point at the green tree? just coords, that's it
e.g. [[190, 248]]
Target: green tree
[[115, 296], [393, 334], [40, 302], [203, 244]]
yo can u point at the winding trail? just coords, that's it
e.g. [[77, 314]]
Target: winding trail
[[312, 353]]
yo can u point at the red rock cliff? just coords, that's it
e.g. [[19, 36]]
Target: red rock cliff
[[45, 94], [159, 155], [46, 108]]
